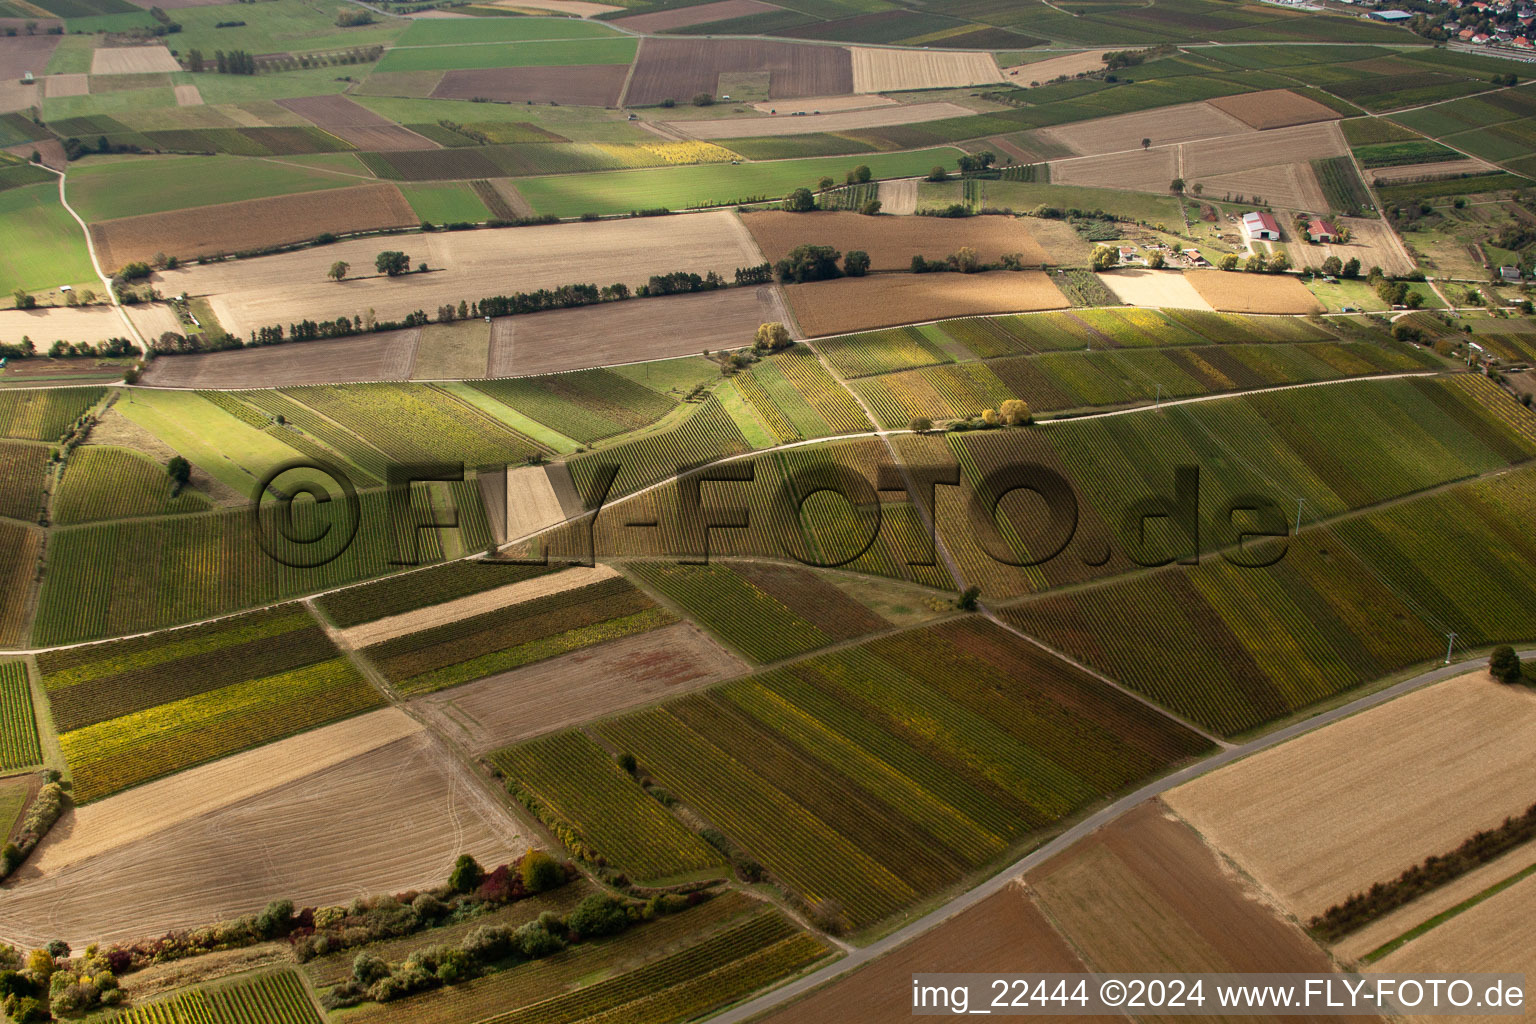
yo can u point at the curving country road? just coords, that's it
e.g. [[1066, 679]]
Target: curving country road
[[1003, 878]]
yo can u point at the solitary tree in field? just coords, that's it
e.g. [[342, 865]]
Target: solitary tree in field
[[1146, 143], [800, 201], [938, 173], [771, 337], [1333, 266], [967, 602], [966, 260], [1015, 412], [1504, 665], [467, 874], [1198, 188], [180, 472], [338, 270], [1176, 186], [920, 424], [392, 263], [860, 174], [1352, 268], [856, 263], [825, 183]]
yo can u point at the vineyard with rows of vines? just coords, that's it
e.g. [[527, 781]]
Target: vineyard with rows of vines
[[586, 405], [122, 577], [506, 638], [275, 998], [105, 482], [19, 747], [1350, 602], [22, 467], [44, 414], [884, 772], [598, 811]]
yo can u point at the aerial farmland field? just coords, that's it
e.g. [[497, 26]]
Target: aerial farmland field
[[553, 512]]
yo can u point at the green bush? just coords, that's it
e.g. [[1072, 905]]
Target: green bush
[[598, 914], [467, 874], [541, 872], [1505, 665]]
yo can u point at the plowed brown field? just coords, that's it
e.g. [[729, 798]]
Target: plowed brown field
[[1005, 933], [700, 14], [1262, 149], [892, 241], [253, 223], [679, 69], [864, 303], [842, 121], [632, 331], [356, 124], [1144, 894], [373, 357], [578, 85], [1274, 108], [580, 686], [1180, 123]]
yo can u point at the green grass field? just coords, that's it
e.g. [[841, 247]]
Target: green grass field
[[609, 192], [230, 451], [279, 26], [115, 187], [41, 246], [457, 31], [445, 204], [13, 800], [537, 53]]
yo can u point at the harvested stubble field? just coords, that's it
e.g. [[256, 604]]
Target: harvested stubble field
[[22, 53], [374, 357], [577, 687], [45, 326], [1234, 292], [1334, 811], [986, 937], [593, 85], [1191, 914], [1494, 935], [1042, 71], [849, 120], [356, 124], [453, 351], [1262, 149], [251, 224], [1441, 169], [1284, 186], [532, 504], [1274, 108], [132, 60], [229, 860], [881, 70], [892, 241], [57, 86], [1155, 288], [1142, 170], [678, 69], [699, 14], [632, 331], [247, 294], [865, 303], [188, 96], [1182, 123]]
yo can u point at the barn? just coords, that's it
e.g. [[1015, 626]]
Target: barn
[[1260, 224], [1322, 230]]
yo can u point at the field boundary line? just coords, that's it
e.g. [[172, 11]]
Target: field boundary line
[[90, 248], [1139, 698], [1005, 877]]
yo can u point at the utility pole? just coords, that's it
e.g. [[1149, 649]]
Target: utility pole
[[1299, 502], [1450, 641], [1159, 395]]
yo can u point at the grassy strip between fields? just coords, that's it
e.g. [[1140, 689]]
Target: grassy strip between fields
[[1444, 916]]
